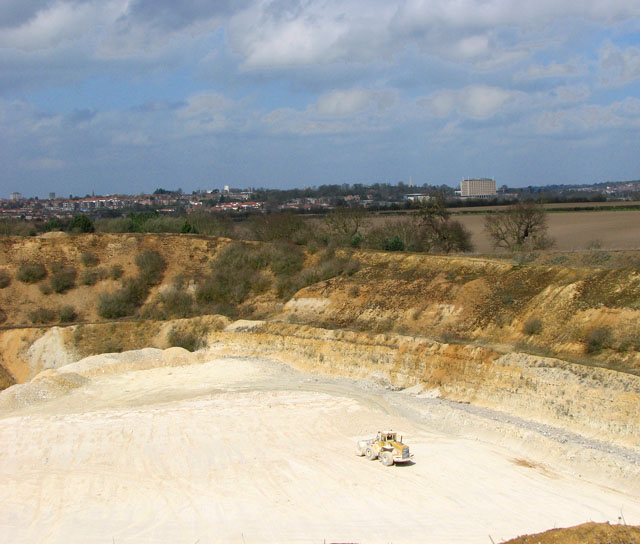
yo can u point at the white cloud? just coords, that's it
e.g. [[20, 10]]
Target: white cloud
[[340, 111], [61, 22], [553, 69], [589, 118], [343, 103], [619, 66], [130, 139], [476, 101], [209, 113]]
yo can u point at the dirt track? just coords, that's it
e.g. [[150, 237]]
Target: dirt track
[[247, 450]]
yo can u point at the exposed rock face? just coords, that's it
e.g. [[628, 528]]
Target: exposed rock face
[[551, 310], [593, 401], [51, 350]]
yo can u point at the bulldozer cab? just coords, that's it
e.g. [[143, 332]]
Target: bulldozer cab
[[388, 436]]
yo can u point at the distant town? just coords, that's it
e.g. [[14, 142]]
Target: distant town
[[471, 192]]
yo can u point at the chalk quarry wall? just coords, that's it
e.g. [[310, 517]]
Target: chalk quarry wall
[[590, 400]]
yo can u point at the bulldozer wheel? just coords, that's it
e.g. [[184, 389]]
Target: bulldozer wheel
[[386, 458], [370, 454]]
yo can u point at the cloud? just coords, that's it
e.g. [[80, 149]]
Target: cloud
[[551, 70], [618, 66], [344, 103], [475, 102], [43, 163], [60, 22], [590, 118], [17, 12]]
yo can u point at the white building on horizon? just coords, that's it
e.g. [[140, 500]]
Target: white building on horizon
[[478, 188]]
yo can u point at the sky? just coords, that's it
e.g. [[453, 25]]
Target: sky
[[126, 96]]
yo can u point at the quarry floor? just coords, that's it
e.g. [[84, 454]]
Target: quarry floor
[[248, 450]]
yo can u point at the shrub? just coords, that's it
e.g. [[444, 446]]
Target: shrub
[[63, 279], [278, 226], [42, 315], [188, 228], [67, 314], [45, 288], [240, 256], [31, 272], [81, 224], [211, 224], [532, 326], [328, 266], [116, 224], [285, 259], [16, 227], [115, 272], [393, 244], [5, 279], [151, 266], [177, 303], [52, 224], [124, 301], [89, 277], [224, 288], [597, 339], [89, 259], [190, 341], [396, 235], [163, 224]]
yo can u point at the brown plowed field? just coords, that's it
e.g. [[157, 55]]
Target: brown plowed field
[[574, 230]]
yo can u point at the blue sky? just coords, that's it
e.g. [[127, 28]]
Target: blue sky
[[131, 95]]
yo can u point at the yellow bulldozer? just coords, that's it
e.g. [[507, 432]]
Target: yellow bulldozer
[[386, 447]]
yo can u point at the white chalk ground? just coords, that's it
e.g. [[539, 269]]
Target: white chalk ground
[[248, 451]]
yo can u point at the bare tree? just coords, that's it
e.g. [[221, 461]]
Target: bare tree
[[522, 226], [440, 233], [343, 224]]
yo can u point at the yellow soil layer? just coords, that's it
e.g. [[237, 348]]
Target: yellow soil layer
[[475, 300]]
